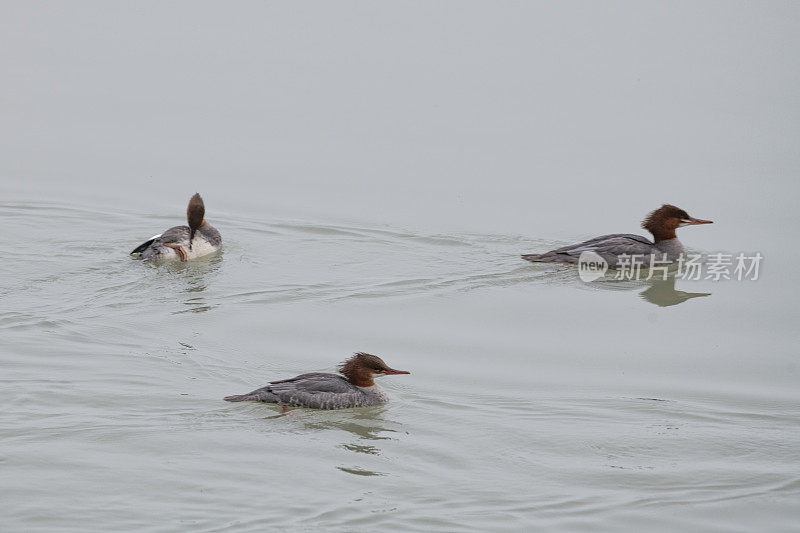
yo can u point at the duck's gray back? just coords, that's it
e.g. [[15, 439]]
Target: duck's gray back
[[609, 247], [176, 235], [210, 234], [315, 390]]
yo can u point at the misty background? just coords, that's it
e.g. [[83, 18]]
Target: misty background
[[523, 117]]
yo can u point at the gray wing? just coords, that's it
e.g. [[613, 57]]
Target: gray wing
[[312, 382], [607, 246], [317, 390], [176, 235]]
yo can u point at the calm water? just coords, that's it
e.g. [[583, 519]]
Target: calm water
[[375, 173], [534, 398]]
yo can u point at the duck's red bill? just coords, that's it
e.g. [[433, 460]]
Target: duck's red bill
[[696, 221], [390, 371]]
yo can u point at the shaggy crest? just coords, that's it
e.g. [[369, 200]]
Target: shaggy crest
[[663, 222], [360, 368]]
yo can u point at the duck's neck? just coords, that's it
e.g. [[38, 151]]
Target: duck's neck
[[663, 234], [672, 247]]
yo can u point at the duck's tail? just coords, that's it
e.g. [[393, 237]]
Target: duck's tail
[[142, 247], [238, 398], [534, 258]]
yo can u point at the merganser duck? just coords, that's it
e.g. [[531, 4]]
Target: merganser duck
[[662, 223], [197, 239], [355, 388]]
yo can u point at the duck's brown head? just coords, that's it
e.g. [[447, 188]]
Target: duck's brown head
[[663, 222], [195, 213], [362, 368]]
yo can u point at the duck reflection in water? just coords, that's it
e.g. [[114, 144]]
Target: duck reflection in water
[[662, 293], [194, 275], [366, 428]]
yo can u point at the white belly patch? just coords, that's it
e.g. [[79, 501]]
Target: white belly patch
[[200, 247]]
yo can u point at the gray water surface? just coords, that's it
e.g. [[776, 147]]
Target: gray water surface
[[375, 171], [534, 397]]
